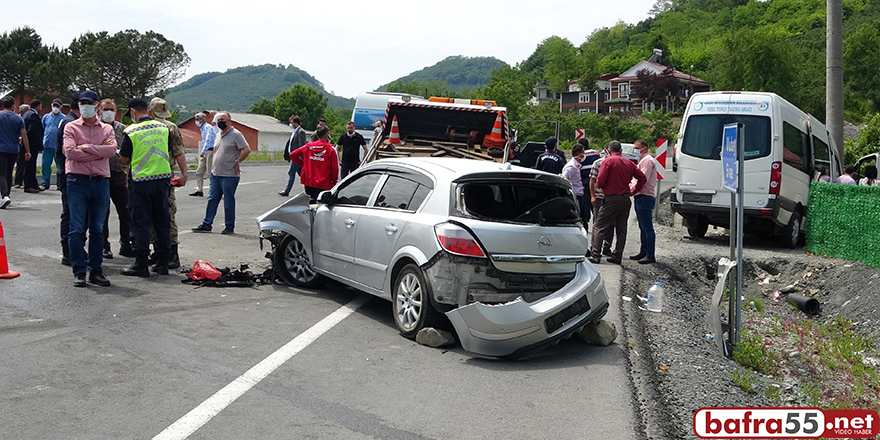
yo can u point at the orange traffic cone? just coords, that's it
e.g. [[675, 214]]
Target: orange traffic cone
[[494, 139], [394, 139], [5, 273]]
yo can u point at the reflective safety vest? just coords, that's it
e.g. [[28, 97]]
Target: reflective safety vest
[[149, 153]]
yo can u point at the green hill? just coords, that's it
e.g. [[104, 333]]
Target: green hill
[[237, 89], [457, 72]]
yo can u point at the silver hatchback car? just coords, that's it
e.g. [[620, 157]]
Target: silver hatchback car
[[498, 249]]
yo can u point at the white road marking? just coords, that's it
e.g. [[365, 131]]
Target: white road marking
[[250, 183], [203, 413], [47, 201]]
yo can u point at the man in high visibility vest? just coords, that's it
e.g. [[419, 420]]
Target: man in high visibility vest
[[146, 147]]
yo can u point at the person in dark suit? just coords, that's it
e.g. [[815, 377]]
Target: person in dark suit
[[33, 125], [297, 139]]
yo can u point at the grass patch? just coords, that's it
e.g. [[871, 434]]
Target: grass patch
[[744, 379], [756, 353], [265, 156]]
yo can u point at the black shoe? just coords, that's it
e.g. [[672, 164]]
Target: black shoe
[[96, 276], [79, 280], [174, 259], [595, 260], [126, 251], [139, 268], [65, 260], [161, 266], [108, 255], [647, 260], [197, 194], [607, 252], [228, 231], [152, 259], [615, 260], [202, 228], [637, 256], [283, 194]]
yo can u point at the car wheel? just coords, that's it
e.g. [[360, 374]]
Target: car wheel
[[293, 266], [790, 235], [699, 228], [411, 302]]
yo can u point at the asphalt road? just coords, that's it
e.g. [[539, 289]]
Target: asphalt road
[[156, 358]]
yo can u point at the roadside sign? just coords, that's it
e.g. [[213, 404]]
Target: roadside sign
[[728, 158], [579, 133], [660, 157]]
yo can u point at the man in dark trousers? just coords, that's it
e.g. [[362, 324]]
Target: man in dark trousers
[[297, 139], [349, 146], [550, 160], [614, 179], [118, 185], [33, 125]]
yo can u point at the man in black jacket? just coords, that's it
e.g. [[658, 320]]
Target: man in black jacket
[[33, 125]]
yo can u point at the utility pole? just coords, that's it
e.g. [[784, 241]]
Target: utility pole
[[834, 72]]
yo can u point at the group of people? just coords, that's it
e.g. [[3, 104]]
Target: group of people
[[318, 163], [606, 187], [99, 160], [847, 178]]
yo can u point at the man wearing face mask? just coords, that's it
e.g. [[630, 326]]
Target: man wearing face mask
[[206, 152], [349, 146], [159, 111], [297, 139], [232, 149], [118, 186], [61, 175], [50, 131], [643, 201], [87, 144]]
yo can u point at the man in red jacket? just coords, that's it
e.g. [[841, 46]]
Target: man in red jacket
[[319, 162]]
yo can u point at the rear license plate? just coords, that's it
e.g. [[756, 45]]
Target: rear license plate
[[556, 321], [694, 197]]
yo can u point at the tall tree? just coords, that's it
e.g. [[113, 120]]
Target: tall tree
[[127, 63], [263, 107], [21, 50], [304, 101]]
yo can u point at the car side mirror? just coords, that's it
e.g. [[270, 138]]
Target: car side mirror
[[326, 197]]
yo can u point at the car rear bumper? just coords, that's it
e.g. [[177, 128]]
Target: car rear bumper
[[517, 328]]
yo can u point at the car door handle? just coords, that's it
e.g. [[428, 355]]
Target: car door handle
[[390, 229], [349, 222]]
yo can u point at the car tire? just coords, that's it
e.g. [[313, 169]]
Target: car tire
[[790, 235], [411, 302], [699, 227], [293, 266]]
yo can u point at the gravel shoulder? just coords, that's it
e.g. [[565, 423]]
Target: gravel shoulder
[[675, 366]]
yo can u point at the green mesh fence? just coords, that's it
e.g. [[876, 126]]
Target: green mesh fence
[[843, 221]]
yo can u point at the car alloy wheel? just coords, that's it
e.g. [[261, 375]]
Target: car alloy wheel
[[293, 266], [411, 302]]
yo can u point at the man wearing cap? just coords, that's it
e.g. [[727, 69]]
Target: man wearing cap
[[206, 152], [87, 144], [145, 147], [159, 111], [550, 160], [231, 150], [11, 128], [50, 123], [61, 177]]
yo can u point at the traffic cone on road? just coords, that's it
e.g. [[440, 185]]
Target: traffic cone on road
[[394, 139], [5, 273], [494, 139]]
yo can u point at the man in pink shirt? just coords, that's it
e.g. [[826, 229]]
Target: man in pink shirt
[[88, 143], [643, 201]]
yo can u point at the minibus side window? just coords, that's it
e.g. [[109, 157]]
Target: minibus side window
[[794, 147]]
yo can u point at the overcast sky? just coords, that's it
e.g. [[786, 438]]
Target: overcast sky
[[351, 47]]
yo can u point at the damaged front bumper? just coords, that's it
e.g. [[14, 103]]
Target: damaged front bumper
[[517, 328]]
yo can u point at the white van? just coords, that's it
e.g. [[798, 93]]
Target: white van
[[370, 107], [785, 150]]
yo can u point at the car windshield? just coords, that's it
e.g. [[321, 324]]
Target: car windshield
[[702, 137], [521, 202]]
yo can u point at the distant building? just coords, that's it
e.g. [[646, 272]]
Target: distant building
[[618, 94], [262, 132]]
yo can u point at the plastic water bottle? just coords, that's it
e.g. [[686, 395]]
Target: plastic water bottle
[[655, 297]]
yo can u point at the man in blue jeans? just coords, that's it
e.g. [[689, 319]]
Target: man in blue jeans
[[643, 201], [87, 144], [229, 153]]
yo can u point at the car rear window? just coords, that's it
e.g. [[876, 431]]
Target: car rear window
[[702, 136], [523, 202]]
